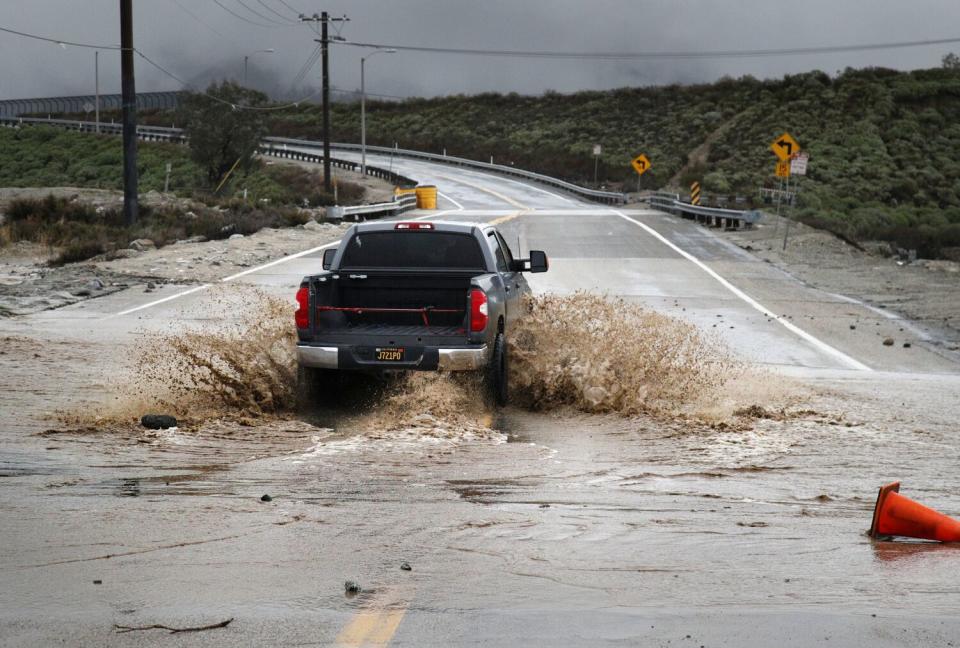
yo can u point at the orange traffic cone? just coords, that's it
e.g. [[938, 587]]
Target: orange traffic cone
[[896, 515]]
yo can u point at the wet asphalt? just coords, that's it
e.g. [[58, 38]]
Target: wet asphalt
[[563, 529]]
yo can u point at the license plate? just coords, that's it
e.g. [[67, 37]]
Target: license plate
[[390, 355]]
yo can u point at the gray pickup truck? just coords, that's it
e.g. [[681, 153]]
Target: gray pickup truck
[[403, 296]]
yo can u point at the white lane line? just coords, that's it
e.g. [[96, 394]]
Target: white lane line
[[160, 301], [250, 271], [818, 343], [446, 197]]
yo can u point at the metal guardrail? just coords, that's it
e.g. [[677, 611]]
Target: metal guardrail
[[363, 212], [608, 197], [273, 150], [713, 216], [166, 134]]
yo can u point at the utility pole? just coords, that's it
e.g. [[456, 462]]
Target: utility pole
[[129, 90], [363, 110], [324, 19]]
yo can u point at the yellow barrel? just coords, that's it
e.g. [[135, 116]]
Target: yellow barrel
[[426, 197]]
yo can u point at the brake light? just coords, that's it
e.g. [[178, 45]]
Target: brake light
[[479, 315], [414, 226], [302, 316]]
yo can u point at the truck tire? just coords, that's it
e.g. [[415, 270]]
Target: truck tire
[[496, 376], [308, 387]]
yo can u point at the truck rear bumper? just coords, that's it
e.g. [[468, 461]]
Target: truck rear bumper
[[446, 359]]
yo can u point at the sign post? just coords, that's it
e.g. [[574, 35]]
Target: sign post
[[597, 150], [786, 148], [641, 164]]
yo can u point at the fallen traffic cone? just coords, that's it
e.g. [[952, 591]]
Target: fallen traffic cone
[[896, 515]]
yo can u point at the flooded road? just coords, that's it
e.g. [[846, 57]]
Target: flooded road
[[736, 516]]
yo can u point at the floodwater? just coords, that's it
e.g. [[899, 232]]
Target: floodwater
[[546, 507]]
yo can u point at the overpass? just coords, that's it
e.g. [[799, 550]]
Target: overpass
[[85, 104]]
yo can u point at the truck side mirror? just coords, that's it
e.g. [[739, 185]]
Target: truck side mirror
[[538, 261], [328, 258]]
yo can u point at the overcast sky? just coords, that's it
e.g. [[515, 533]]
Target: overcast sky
[[199, 40]]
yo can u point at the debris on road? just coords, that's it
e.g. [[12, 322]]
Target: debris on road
[[405, 566], [266, 498], [351, 587], [888, 342], [158, 626], [158, 421]]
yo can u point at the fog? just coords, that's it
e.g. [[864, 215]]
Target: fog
[[201, 40]]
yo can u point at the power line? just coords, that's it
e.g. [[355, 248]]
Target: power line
[[306, 67], [59, 41], [243, 18], [295, 11], [235, 106], [273, 11], [616, 56], [262, 16], [197, 18]]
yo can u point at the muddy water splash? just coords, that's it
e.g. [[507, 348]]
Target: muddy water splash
[[243, 366], [604, 355]]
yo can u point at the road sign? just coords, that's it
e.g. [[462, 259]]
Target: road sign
[[597, 150], [641, 164], [783, 169], [695, 193], [798, 164], [785, 146]]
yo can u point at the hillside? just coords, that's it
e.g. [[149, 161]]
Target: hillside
[[884, 144]]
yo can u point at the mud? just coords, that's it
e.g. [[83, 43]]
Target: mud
[[602, 355]]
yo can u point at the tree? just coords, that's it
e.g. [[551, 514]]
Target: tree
[[221, 129], [951, 61]]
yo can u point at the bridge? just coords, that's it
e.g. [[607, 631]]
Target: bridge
[[85, 104]]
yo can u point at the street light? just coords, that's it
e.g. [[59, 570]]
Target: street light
[[247, 58], [363, 109]]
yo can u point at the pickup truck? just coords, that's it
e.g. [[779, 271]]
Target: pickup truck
[[406, 296]]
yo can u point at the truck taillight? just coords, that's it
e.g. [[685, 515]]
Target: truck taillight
[[302, 316], [478, 310]]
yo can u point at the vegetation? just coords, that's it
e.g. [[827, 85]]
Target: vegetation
[[80, 231], [221, 137], [41, 156], [883, 144]]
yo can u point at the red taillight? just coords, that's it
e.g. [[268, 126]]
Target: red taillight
[[478, 310], [414, 226], [302, 316]]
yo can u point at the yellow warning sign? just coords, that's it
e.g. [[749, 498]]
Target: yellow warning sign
[[785, 146], [783, 169], [640, 164]]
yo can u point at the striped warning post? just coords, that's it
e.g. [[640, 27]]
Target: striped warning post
[[695, 193]]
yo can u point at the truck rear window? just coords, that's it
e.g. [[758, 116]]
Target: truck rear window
[[416, 249]]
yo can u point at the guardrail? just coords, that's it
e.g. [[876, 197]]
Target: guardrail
[[608, 197], [167, 134], [363, 212], [269, 148], [712, 216]]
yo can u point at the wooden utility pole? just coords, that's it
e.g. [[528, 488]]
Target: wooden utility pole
[[129, 90], [324, 19]]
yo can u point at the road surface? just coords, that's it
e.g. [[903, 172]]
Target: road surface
[[557, 529]]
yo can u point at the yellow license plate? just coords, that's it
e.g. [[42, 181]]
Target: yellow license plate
[[390, 355]]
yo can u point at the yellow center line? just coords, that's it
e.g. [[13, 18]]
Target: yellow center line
[[510, 217], [506, 199], [375, 626]]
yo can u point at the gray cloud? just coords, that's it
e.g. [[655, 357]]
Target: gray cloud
[[211, 43]]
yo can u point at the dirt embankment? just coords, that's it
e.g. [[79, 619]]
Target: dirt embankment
[[924, 291]]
